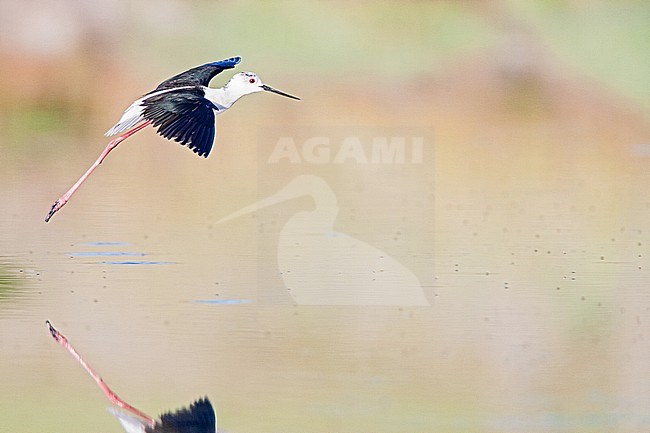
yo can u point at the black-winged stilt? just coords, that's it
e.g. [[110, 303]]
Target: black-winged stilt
[[183, 108], [198, 418]]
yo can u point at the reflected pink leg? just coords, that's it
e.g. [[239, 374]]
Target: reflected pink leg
[[111, 145], [110, 394]]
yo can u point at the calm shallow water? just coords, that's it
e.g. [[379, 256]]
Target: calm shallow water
[[529, 240]]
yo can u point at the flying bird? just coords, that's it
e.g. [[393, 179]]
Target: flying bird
[[183, 109], [198, 418]]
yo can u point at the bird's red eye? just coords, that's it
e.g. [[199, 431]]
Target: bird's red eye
[[252, 80]]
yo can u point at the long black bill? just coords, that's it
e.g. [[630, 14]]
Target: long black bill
[[271, 89]]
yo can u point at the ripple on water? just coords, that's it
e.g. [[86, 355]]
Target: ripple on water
[[118, 254], [222, 301], [137, 262], [105, 253]]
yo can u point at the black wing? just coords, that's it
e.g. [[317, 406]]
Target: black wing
[[199, 418], [198, 76], [183, 115]]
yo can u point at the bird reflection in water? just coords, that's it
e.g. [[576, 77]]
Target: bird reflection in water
[[199, 417]]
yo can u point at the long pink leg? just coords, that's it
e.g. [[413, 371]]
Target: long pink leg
[[111, 145], [110, 394]]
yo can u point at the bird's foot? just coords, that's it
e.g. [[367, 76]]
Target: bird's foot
[[53, 331], [55, 208]]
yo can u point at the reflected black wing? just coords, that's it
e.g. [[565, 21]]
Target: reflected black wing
[[183, 115], [198, 76], [199, 418]]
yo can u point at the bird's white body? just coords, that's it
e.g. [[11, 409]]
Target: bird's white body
[[130, 423], [323, 267], [222, 98], [133, 115]]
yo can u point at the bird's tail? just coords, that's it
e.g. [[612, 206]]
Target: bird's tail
[[130, 423]]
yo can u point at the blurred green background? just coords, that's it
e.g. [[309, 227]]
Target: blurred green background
[[62, 67]]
